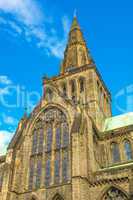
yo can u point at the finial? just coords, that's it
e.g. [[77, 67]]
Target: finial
[[75, 13]]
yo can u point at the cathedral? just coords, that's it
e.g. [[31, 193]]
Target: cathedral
[[71, 147]]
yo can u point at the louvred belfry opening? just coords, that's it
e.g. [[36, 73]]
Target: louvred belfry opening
[[76, 53]]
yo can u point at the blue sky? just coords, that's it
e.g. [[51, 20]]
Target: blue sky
[[33, 34]]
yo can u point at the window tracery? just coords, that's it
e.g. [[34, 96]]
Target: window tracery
[[114, 193], [51, 132]]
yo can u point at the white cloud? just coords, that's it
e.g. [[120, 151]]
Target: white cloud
[[5, 137], [14, 26], [26, 11], [5, 80], [9, 120], [30, 21]]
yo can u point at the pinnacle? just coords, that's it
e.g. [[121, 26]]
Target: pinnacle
[[75, 24]]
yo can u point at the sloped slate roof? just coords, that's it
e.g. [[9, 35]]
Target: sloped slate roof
[[117, 122]]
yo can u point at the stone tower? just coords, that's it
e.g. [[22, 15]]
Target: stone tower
[[70, 147]]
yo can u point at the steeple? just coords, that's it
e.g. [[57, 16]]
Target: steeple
[[76, 53]]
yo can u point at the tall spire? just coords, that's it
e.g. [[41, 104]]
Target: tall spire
[[76, 53]]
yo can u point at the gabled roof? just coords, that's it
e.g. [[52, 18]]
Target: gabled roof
[[117, 122]]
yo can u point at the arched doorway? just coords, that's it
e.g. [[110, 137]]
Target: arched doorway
[[113, 193]]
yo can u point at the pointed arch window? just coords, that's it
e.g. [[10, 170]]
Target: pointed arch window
[[115, 193], [53, 132], [128, 150], [115, 152], [57, 197]]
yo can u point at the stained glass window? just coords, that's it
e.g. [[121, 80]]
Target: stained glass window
[[57, 167], [58, 137], [49, 135], [115, 152], [128, 150], [38, 173], [65, 132], [41, 140], [31, 175], [34, 144], [56, 141], [65, 166], [48, 170]]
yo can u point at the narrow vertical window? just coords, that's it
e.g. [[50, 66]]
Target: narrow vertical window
[[38, 173], [73, 88], [81, 85], [49, 138], [34, 143], [41, 141], [65, 134], [48, 170], [115, 153], [31, 175], [73, 91], [57, 167], [58, 137], [65, 166], [128, 150], [64, 90]]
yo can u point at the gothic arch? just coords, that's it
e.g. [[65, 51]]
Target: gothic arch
[[46, 107], [57, 197], [113, 192], [34, 197]]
